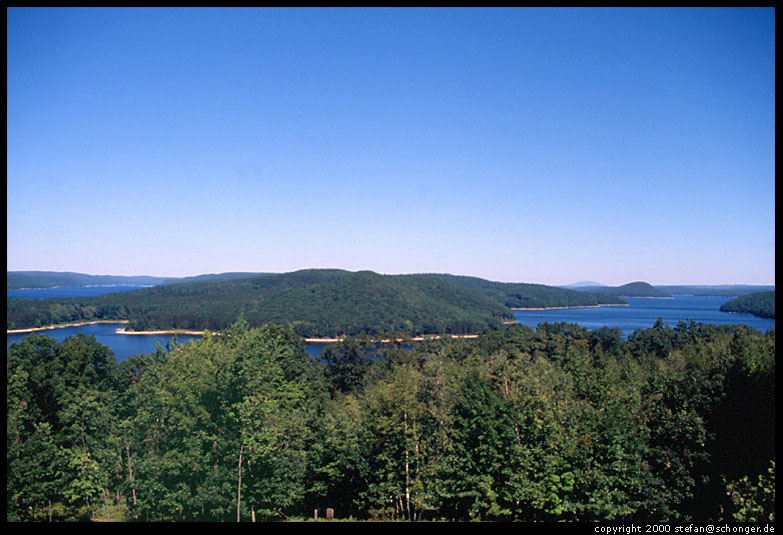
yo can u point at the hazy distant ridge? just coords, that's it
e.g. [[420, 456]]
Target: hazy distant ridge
[[723, 290], [16, 280], [632, 289], [582, 284], [49, 279]]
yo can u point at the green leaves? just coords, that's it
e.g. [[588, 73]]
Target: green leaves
[[85, 482], [761, 304], [753, 501], [553, 424]]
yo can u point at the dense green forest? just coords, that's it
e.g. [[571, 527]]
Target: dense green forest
[[761, 304], [557, 423], [523, 295], [314, 303]]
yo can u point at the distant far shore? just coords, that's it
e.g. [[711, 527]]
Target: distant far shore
[[578, 306]]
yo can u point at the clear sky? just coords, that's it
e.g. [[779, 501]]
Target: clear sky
[[528, 145]]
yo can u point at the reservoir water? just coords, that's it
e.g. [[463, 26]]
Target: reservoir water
[[639, 314], [642, 313], [125, 345]]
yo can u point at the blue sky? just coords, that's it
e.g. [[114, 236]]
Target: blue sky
[[529, 145]]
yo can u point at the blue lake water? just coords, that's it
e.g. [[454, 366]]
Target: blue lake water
[[642, 314], [125, 345], [639, 314]]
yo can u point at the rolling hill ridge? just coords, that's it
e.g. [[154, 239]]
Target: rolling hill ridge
[[314, 303]]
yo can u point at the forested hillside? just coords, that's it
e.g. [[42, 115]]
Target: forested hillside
[[761, 304], [314, 303], [522, 295], [553, 424]]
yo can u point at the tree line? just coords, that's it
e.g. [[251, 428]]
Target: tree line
[[520, 424]]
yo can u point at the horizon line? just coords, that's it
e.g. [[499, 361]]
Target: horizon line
[[382, 273]]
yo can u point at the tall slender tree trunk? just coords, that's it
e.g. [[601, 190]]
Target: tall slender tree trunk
[[407, 472], [239, 480], [130, 474], [106, 502]]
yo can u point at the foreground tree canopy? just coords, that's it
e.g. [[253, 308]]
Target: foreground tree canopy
[[557, 423]]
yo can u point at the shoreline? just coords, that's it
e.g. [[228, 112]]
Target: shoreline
[[647, 297], [576, 306], [421, 338], [61, 326], [310, 340], [122, 330], [150, 333]]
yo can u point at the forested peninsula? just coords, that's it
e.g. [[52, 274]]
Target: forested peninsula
[[313, 303], [760, 304]]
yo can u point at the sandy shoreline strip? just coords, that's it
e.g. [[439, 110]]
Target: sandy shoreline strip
[[387, 340], [61, 326], [122, 330], [143, 333], [311, 340], [578, 306]]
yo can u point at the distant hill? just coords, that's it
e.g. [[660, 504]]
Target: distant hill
[[632, 289], [761, 304], [314, 303], [582, 284]]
